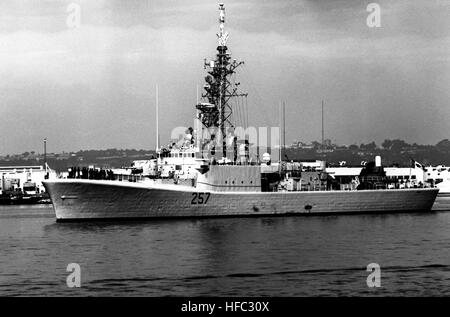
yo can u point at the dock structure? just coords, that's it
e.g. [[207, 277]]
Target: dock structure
[[24, 178]]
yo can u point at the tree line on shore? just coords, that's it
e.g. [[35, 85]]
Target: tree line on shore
[[393, 152]]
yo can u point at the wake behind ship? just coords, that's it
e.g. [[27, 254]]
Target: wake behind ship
[[208, 177]]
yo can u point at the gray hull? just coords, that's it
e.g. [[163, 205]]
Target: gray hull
[[87, 199]]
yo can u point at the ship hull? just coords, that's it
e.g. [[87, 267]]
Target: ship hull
[[95, 200]]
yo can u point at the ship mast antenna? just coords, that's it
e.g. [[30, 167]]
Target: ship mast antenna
[[219, 88], [45, 154], [157, 117], [323, 132], [222, 35], [284, 130]]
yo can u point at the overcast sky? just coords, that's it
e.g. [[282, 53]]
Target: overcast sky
[[93, 87]]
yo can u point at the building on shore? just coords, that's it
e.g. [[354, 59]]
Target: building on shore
[[25, 179]]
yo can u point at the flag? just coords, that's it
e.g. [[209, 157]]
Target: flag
[[415, 164]]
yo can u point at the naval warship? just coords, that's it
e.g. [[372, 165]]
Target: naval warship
[[208, 177]]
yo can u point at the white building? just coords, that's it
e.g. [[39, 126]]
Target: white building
[[24, 178]]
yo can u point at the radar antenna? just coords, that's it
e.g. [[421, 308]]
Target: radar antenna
[[216, 112]]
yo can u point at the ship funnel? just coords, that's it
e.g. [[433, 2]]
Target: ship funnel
[[322, 165], [266, 158], [378, 161]]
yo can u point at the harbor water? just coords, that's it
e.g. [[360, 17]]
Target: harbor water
[[281, 256]]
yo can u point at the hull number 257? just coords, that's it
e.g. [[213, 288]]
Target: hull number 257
[[200, 198]]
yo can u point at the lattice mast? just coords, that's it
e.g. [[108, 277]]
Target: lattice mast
[[219, 88]]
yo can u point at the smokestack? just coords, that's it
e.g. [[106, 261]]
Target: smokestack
[[378, 161]]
